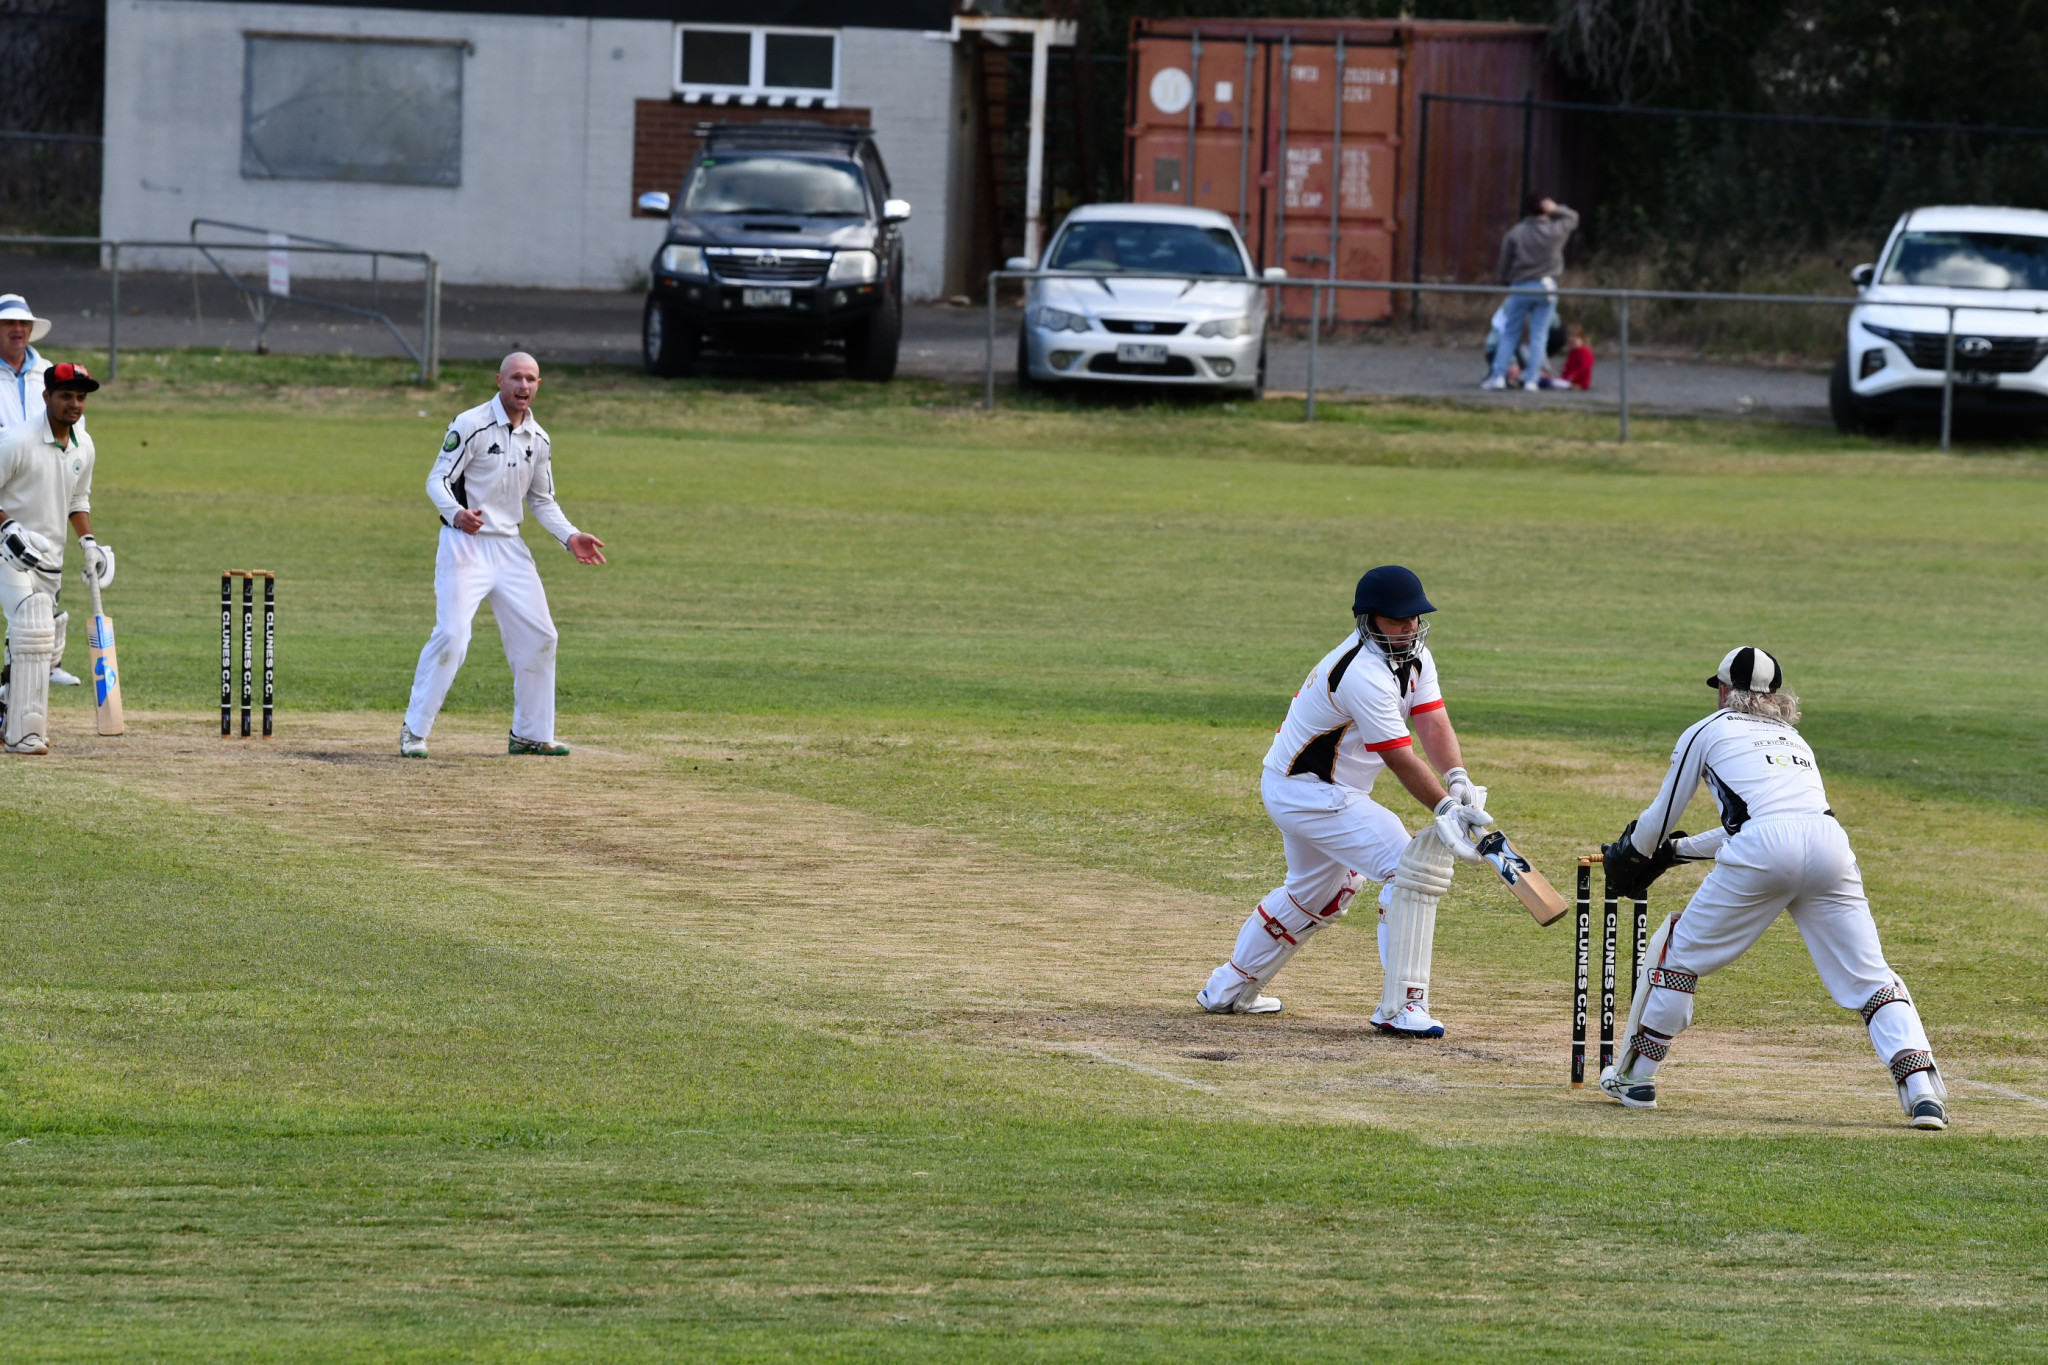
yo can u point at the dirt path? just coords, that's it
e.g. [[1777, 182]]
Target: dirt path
[[975, 945]]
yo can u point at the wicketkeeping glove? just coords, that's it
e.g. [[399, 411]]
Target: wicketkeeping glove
[[99, 561], [24, 549]]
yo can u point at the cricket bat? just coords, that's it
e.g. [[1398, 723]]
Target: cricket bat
[[106, 669], [1531, 887]]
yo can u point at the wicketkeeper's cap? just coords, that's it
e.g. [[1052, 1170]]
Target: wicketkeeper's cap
[[1390, 591], [1749, 669], [75, 378], [14, 308]]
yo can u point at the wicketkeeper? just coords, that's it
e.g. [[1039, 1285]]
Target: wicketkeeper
[[495, 462], [1778, 848], [1349, 722]]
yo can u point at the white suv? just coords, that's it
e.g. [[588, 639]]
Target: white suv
[[1979, 260]]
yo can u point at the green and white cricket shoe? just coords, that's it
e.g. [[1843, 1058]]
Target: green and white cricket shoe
[[410, 745], [1632, 1093], [545, 747], [1928, 1114]]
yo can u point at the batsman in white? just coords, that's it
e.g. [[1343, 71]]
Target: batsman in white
[[494, 463], [45, 482], [1349, 722], [1778, 848]]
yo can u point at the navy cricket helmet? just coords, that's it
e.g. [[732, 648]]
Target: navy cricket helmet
[[1390, 591]]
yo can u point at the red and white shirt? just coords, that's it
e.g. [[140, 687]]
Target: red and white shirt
[[1350, 710]]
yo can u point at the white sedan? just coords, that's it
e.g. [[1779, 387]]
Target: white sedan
[[1185, 331]]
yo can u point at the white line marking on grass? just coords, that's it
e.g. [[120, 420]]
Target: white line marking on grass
[[1101, 1056], [2005, 1090]]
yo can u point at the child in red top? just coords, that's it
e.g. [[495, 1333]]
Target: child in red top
[[1578, 359]]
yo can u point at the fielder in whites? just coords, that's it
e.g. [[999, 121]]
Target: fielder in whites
[[45, 483], [1778, 848], [1347, 724], [494, 463]]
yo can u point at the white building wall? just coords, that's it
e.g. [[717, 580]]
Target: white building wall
[[907, 80], [547, 141]]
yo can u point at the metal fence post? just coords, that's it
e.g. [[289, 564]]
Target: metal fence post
[[430, 361], [1421, 208], [114, 312], [1948, 379], [1624, 366], [1315, 304], [988, 390]]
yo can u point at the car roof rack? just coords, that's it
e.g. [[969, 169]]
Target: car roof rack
[[782, 136]]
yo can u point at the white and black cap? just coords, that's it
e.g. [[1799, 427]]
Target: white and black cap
[[1749, 669]]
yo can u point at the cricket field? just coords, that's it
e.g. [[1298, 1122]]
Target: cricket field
[[833, 1001]]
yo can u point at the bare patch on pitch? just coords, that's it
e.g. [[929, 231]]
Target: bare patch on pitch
[[946, 937]]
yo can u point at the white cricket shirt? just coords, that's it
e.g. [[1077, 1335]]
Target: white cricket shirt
[[42, 483], [21, 393], [1349, 711], [489, 466], [1756, 768]]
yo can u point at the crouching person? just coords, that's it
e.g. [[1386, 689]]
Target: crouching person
[[1778, 848]]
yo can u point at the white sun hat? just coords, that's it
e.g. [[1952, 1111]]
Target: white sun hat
[[14, 308]]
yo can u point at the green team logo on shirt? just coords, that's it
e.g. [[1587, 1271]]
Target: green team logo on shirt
[[452, 441], [77, 465]]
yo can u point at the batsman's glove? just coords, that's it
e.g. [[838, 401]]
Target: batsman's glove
[[99, 561], [1630, 873], [1459, 783], [24, 549], [1454, 824]]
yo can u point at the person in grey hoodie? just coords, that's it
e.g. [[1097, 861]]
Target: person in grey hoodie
[[1531, 259]]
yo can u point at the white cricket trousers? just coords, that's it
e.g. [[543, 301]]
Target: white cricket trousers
[[1799, 865], [1329, 834], [467, 571]]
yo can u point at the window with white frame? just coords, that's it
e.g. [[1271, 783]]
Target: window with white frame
[[788, 67]]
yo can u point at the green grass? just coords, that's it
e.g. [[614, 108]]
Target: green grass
[[270, 1097]]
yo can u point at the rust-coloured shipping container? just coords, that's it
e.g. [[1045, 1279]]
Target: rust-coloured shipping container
[[1218, 107]]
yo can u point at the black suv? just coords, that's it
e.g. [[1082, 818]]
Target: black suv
[[782, 238]]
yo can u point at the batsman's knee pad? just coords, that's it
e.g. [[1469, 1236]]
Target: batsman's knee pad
[[1421, 880], [31, 650], [1264, 945]]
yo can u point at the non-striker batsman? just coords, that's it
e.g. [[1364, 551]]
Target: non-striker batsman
[[1348, 723]]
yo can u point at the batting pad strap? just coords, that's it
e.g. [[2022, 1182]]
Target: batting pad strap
[[1906, 1063], [1274, 927], [1890, 995], [1671, 979], [1650, 1045]]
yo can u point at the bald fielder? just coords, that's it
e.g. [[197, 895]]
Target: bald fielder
[[494, 463], [45, 484], [1778, 848], [1348, 723]]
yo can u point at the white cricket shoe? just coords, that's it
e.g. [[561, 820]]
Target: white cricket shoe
[[1928, 1114], [1264, 1004], [1493, 383], [30, 743], [1410, 1021], [63, 677], [1632, 1093], [410, 745]]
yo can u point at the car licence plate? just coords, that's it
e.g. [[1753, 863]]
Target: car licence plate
[[1976, 379], [765, 298], [1140, 353]]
